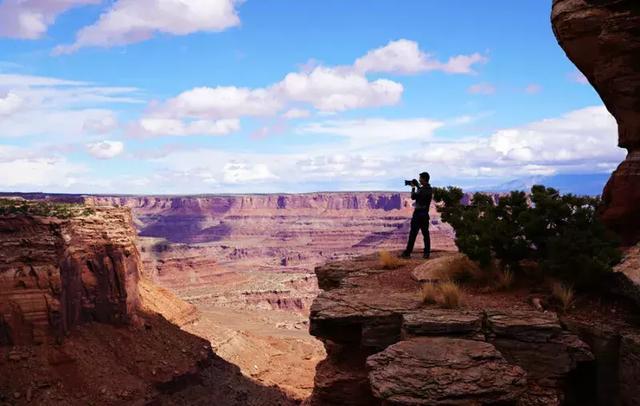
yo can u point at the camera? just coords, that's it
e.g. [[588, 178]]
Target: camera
[[412, 182]]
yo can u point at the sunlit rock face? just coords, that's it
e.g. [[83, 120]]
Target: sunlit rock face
[[602, 38], [56, 274]]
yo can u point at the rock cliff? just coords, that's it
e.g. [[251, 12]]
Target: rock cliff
[[385, 347], [603, 40], [56, 274]]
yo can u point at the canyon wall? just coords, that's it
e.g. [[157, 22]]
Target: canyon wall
[[260, 250], [58, 273], [603, 40]]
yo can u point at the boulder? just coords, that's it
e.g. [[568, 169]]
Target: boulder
[[444, 371], [445, 267]]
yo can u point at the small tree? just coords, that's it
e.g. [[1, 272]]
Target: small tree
[[561, 232]]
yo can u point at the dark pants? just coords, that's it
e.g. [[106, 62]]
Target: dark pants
[[419, 222]]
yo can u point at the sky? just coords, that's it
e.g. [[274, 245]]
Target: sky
[[258, 96]]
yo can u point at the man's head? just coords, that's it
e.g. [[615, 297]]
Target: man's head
[[424, 178]]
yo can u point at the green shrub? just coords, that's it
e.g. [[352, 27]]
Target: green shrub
[[561, 232]]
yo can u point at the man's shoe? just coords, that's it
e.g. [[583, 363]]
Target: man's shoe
[[405, 255], [426, 256]]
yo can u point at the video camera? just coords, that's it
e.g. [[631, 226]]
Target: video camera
[[412, 182]]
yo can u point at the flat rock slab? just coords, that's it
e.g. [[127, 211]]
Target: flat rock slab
[[441, 322], [443, 371], [528, 326]]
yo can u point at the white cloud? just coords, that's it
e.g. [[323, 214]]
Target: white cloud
[[59, 108], [30, 19], [32, 173], [10, 104], [405, 57], [482, 88], [293, 114], [376, 129], [105, 149], [221, 102], [335, 89], [131, 21], [241, 172], [328, 89], [168, 126]]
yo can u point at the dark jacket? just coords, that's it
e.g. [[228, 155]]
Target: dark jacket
[[422, 196]]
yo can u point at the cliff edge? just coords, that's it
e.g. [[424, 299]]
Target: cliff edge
[[386, 347]]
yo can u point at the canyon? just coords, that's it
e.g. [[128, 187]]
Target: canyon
[[246, 263]]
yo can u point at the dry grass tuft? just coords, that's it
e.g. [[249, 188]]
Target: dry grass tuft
[[504, 280], [430, 293], [389, 261], [451, 295], [447, 294], [564, 294]]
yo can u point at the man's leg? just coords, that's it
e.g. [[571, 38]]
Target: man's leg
[[413, 234], [427, 238]]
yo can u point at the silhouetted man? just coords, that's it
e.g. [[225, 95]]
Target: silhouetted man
[[420, 220]]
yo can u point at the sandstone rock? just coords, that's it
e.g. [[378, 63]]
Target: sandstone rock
[[602, 39], [626, 276], [444, 268], [444, 371], [526, 326], [441, 322], [56, 274], [537, 342]]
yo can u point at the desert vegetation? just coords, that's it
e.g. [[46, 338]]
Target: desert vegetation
[[43, 208], [447, 294], [388, 260], [560, 234]]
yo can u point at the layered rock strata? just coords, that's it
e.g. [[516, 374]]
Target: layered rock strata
[[602, 39], [385, 347], [56, 274]]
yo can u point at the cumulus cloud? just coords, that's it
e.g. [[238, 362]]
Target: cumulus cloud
[[10, 104], [168, 126], [327, 89], [222, 102], [482, 88], [334, 89], [30, 19], [131, 21], [405, 57], [105, 149]]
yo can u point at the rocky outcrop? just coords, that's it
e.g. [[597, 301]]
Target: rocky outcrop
[[444, 371], [602, 38], [56, 274], [384, 347]]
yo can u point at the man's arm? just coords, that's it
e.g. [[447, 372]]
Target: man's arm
[[414, 195]]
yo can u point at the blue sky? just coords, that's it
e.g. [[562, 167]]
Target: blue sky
[[218, 96]]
